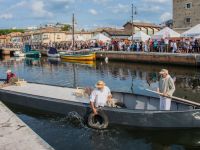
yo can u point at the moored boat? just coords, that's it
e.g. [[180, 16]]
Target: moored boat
[[31, 53], [135, 110], [53, 53], [19, 54], [80, 57]]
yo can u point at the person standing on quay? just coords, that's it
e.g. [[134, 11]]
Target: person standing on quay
[[166, 88]]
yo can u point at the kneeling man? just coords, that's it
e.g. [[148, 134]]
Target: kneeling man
[[99, 96], [167, 88]]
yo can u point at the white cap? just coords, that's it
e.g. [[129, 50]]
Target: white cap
[[8, 71]]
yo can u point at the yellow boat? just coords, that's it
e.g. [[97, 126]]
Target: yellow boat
[[80, 57]]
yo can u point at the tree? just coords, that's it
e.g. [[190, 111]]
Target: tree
[[7, 31], [66, 27]]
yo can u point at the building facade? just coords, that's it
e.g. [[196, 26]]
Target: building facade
[[2, 40], [186, 14], [147, 28], [114, 33], [44, 36], [84, 34]]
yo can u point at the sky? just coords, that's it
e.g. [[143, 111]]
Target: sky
[[88, 13]]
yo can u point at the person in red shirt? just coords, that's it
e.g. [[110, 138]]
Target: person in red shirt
[[10, 75]]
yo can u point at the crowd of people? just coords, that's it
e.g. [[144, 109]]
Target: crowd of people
[[163, 45]]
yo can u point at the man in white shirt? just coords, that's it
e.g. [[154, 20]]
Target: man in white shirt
[[99, 96]]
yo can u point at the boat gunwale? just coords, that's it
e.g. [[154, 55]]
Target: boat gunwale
[[79, 55], [121, 92], [120, 110]]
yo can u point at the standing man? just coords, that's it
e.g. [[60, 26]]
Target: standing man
[[167, 88], [99, 97]]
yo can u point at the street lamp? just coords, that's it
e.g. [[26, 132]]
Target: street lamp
[[134, 12]]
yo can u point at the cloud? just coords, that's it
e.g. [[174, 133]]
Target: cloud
[[39, 10], [93, 12], [17, 5], [6, 16], [165, 16], [156, 1], [150, 8], [120, 8], [58, 4], [101, 1]]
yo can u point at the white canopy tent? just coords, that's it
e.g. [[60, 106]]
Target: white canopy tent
[[165, 33], [140, 36], [197, 37], [194, 31], [101, 37]]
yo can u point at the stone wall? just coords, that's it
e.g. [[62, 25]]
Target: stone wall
[[180, 13], [154, 58]]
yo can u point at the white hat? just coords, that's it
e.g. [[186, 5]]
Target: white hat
[[8, 71], [164, 71], [100, 84]]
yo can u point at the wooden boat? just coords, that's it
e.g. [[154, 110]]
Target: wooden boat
[[80, 57], [138, 111]]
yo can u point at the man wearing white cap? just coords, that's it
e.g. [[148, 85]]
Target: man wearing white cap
[[99, 97], [167, 88]]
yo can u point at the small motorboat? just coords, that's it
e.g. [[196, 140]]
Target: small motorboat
[[19, 54], [31, 53], [53, 53], [80, 57], [135, 110]]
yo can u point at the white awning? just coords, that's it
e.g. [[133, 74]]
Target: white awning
[[166, 33], [140, 36], [194, 31], [101, 37]]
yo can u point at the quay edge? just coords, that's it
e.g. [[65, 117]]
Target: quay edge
[[15, 134], [152, 57]]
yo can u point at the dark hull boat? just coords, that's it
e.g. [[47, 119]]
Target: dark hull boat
[[53, 53], [138, 111]]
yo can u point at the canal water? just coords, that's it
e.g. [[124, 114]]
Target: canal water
[[70, 133]]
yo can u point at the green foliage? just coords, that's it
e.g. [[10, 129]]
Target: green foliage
[[7, 31], [66, 28]]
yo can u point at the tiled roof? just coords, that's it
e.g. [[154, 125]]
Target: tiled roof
[[144, 24], [117, 32], [3, 36]]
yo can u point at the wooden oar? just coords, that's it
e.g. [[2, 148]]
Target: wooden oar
[[176, 98]]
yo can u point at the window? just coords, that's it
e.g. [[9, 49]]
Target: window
[[188, 20], [45, 36], [188, 5], [58, 37]]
